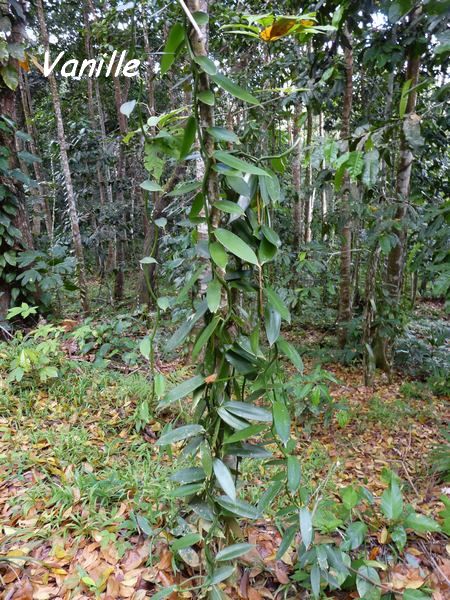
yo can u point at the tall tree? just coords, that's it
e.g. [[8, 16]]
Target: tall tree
[[63, 148], [345, 292]]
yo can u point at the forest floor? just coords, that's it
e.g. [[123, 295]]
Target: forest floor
[[83, 493]]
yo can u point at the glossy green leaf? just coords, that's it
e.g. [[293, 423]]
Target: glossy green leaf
[[225, 479], [277, 303], [234, 89], [314, 579], [207, 97], [248, 411], [421, 523], [151, 186], [229, 207], [392, 502], [272, 324], [183, 389], [288, 538], [206, 64], [365, 588], [288, 350], [293, 473], [218, 255], [190, 131], [223, 135], [306, 527], [221, 574], [238, 507], [186, 541], [188, 475], [245, 434], [179, 434], [236, 246], [204, 336], [233, 551], [213, 295], [282, 421], [236, 163], [174, 41]]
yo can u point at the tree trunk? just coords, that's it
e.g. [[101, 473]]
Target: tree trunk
[[345, 292], [11, 187], [199, 42], [309, 196], [396, 258], [296, 177], [42, 209], [73, 213]]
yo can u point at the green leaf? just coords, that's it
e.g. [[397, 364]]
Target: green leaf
[[188, 475], [213, 295], [365, 588], [186, 541], [277, 303], [165, 592], [293, 474], [229, 207], [245, 434], [218, 255], [233, 89], [145, 347], [355, 534], [350, 497], [282, 421], [272, 324], [392, 502], [225, 479], [411, 594], [187, 490], [288, 350], [236, 246], [179, 434], [238, 164], [234, 551], [248, 411], [183, 389], [207, 97], [314, 578], [306, 528], [189, 137], [220, 575], [206, 64], [223, 135], [288, 538], [10, 77], [128, 107], [398, 535], [421, 523], [231, 420], [148, 260], [184, 188], [204, 336], [238, 507], [174, 41], [151, 186], [269, 496], [180, 334]]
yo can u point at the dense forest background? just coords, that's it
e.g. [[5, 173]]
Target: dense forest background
[[259, 222]]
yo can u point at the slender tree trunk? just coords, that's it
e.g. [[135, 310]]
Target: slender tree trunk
[[43, 208], [396, 258], [309, 196], [296, 177], [199, 45], [9, 186], [73, 213], [345, 292]]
